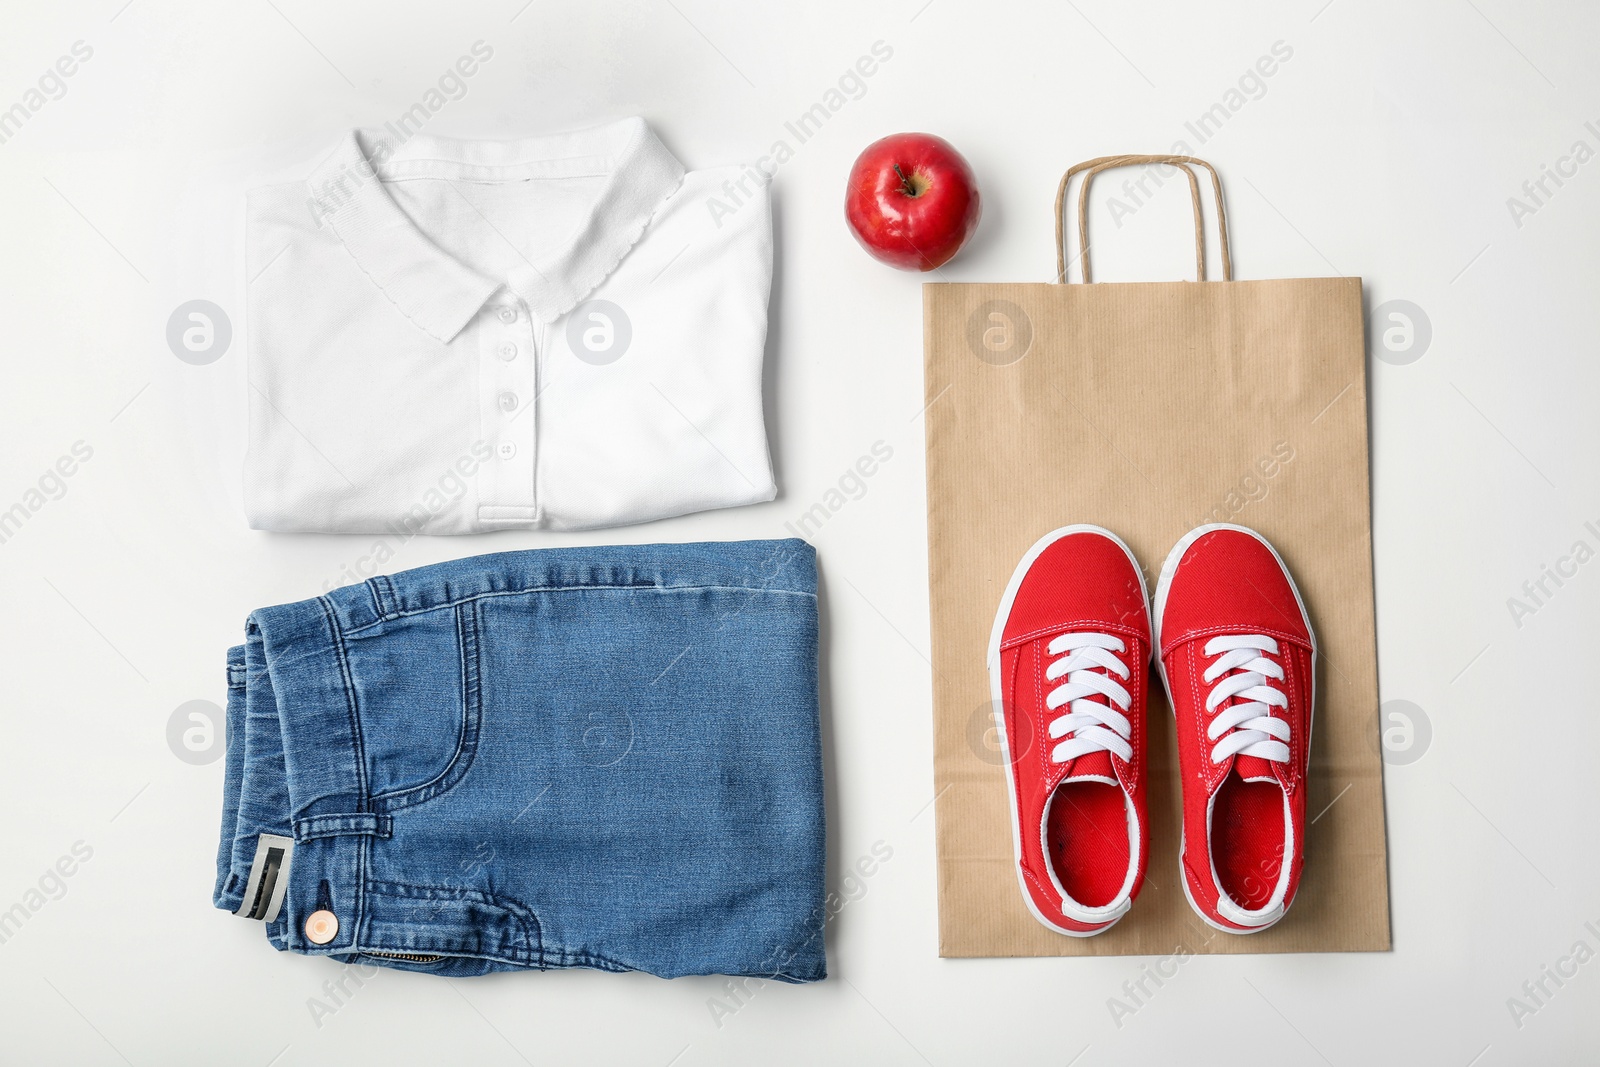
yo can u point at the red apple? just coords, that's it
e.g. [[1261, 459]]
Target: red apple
[[912, 201]]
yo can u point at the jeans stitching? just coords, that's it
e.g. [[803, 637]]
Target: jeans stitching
[[525, 916], [359, 759], [353, 631], [468, 653], [350, 703], [389, 604], [310, 828]]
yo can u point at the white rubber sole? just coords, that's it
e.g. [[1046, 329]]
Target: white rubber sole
[[997, 702], [1169, 568]]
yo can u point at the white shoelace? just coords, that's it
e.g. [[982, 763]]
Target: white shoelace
[[1095, 727], [1246, 728]]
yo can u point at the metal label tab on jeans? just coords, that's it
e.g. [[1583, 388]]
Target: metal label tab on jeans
[[269, 878]]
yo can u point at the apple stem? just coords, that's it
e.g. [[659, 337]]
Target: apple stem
[[905, 183]]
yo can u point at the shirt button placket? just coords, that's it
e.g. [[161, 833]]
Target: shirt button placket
[[508, 383]]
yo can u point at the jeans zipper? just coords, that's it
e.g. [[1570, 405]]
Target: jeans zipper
[[409, 957]]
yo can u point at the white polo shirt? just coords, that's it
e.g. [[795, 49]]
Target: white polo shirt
[[449, 337]]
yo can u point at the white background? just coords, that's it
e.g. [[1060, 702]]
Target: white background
[[1387, 147]]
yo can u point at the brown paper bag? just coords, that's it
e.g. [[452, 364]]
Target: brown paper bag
[[1149, 409]]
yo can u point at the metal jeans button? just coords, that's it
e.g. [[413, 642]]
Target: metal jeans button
[[321, 927]]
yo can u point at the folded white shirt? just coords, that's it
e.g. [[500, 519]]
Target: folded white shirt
[[448, 337]]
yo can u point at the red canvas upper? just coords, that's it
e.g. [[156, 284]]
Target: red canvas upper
[[1243, 817], [1080, 581]]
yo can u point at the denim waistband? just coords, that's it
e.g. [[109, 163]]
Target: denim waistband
[[764, 566], [306, 774]]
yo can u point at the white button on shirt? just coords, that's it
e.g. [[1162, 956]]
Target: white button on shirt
[[449, 336]]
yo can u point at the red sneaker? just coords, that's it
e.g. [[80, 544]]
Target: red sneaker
[[1238, 658], [1068, 661]]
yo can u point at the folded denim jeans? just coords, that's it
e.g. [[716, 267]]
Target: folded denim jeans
[[588, 757]]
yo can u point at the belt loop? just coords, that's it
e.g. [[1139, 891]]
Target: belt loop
[[383, 597], [355, 824]]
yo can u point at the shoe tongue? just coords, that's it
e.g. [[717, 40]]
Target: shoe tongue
[[1250, 768], [1091, 765]]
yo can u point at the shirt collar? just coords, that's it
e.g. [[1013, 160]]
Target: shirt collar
[[439, 293]]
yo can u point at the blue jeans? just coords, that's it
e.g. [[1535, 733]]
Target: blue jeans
[[590, 757]]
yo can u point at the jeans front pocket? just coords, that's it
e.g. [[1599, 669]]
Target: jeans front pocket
[[415, 683]]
